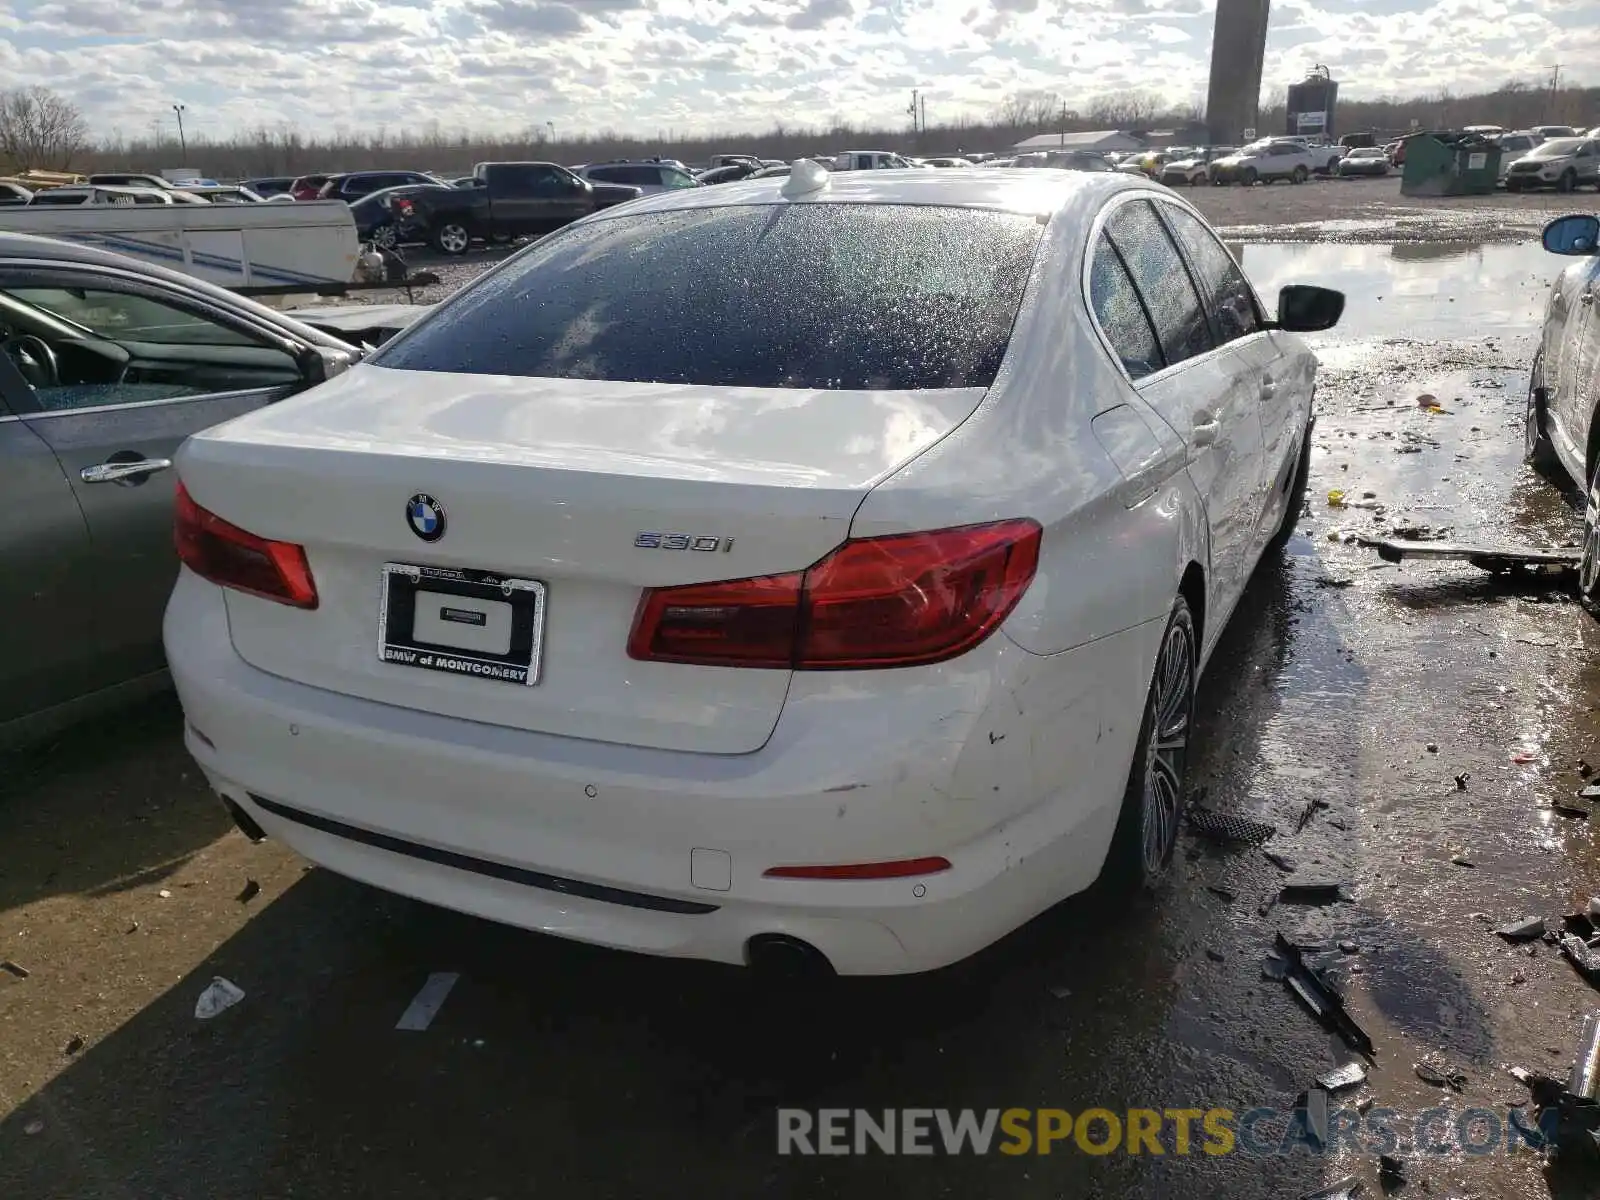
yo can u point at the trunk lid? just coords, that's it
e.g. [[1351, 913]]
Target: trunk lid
[[552, 480]]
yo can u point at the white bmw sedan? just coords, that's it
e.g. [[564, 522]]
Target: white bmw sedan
[[813, 569]]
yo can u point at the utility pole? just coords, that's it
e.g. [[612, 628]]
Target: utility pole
[[1555, 84], [1063, 124], [183, 144], [913, 110], [924, 112], [551, 126]]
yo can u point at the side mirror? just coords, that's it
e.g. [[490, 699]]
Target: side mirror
[[1304, 308], [1575, 235]]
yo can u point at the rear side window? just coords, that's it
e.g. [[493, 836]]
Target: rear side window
[[1162, 280], [844, 296], [1227, 293], [1121, 314], [604, 174]]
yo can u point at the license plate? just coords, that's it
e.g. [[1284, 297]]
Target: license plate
[[463, 622]]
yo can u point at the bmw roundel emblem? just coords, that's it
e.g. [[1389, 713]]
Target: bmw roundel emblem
[[425, 515]]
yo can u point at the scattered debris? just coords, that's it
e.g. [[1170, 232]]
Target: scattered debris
[[430, 998], [1585, 769], [1592, 792], [1216, 955], [1462, 860], [1433, 747], [1346, 1076], [1310, 810], [1431, 1072], [1222, 893], [219, 996], [74, 1044], [1329, 581], [1582, 955], [1227, 827], [1349, 947], [34, 1127], [1391, 1170], [15, 968], [1323, 1002], [1526, 1126], [1568, 810], [133, 928], [1059, 990], [1461, 780], [1275, 968], [251, 890], [1556, 564], [1567, 1117], [1282, 861], [164, 894], [1524, 930], [1347, 1188], [1317, 892], [1522, 757]]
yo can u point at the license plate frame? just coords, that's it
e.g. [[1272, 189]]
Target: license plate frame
[[398, 646]]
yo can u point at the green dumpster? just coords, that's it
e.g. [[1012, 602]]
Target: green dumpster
[[1435, 166]]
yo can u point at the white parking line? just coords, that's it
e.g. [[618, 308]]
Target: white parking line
[[427, 1003]]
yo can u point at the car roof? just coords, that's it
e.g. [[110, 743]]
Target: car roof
[[1020, 190]]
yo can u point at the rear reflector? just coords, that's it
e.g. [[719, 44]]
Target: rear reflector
[[896, 601], [233, 558], [883, 870]]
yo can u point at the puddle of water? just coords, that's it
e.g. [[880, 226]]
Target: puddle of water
[[1415, 289]]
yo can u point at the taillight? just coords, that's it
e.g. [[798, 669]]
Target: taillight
[[894, 601], [233, 558]]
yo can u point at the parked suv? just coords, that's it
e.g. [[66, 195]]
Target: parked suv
[[1276, 158], [648, 177], [363, 183], [1560, 163]]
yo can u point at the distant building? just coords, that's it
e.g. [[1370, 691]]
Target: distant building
[[1103, 140], [1238, 45]]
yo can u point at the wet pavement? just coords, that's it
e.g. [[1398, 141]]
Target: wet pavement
[[1344, 702]]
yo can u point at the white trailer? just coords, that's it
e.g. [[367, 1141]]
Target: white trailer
[[235, 245]]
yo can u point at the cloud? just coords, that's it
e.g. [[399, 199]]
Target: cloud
[[723, 65], [818, 13]]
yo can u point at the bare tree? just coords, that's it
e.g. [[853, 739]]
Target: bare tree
[[40, 129], [1126, 109]]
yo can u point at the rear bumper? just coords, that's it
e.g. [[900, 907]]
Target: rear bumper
[[1010, 765]]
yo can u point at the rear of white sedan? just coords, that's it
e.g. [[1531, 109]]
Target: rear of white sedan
[[737, 575]]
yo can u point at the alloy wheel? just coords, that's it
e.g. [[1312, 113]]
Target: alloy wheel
[[1167, 755], [1531, 428], [384, 237], [453, 238]]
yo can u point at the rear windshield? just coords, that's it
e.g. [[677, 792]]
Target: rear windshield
[[845, 296]]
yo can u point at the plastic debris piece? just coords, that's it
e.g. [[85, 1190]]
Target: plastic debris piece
[[164, 894], [1461, 780], [251, 890], [1391, 1169], [1461, 860], [1582, 956], [1227, 827], [1584, 1081], [1526, 1126], [1524, 930], [1349, 947], [1319, 997], [1336, 498], [1314, 892], [1522, 757], [219, 996], [1222, 893], [1346, 1189], [34, 1127], [1346, 1076], [1059, 990], [1592, 792], [13, 968], [74, 1044], [1282, 861], [1275, 968], [1438, 1076], [1216, 955]]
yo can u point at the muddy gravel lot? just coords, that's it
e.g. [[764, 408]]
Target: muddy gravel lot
[[1415, 733]]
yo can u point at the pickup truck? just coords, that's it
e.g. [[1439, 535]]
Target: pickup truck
[[511, 199]]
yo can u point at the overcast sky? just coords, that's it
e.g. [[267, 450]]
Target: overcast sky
[[711, 65]]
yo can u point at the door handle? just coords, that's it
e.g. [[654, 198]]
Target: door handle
[[1269, 388], [115, 472], [1206, 428]]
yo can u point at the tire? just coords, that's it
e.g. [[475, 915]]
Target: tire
[[385, 237], [1568, 182], [501, 239], [1299, 175], [1589, 560], [1248, 176], [1152, 806], [451, 237], [1296, 495], [1538, 451]]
